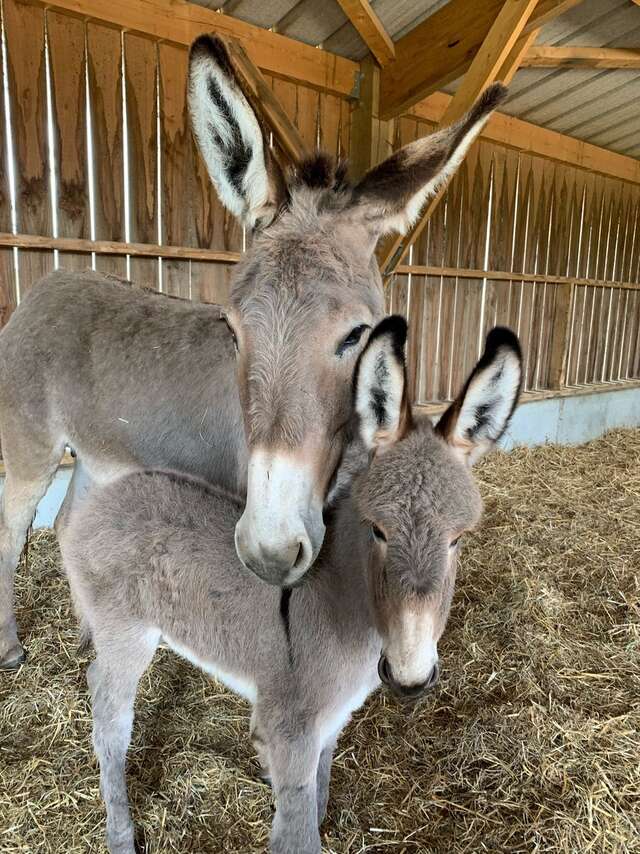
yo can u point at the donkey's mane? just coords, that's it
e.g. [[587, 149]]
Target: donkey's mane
[[326, 178]]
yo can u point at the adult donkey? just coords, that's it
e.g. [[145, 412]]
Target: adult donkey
[[152, 555], [130, 379]]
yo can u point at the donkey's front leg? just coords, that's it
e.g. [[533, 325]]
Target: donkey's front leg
[[113, 679], [323, 778], [294, 768]]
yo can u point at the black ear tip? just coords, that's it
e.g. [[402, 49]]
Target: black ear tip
[[501, 336], [394, 325], [494, 95], [210, 46]]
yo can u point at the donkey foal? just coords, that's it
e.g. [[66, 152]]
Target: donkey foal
[[152, 555]]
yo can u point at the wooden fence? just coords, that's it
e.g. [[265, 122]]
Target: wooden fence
[[106, 170], [549, 250], [98, 168]]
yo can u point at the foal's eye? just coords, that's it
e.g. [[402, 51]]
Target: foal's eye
[[378, 533], [352, 338]]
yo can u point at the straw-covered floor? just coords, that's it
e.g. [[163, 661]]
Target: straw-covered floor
[[530, 744]]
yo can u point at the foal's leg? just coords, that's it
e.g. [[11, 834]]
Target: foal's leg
[[30, 466], [113, 680], [323, 778], [293, 763]]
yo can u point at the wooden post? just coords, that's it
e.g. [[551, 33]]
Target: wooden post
[[560, 335], [371, 138]]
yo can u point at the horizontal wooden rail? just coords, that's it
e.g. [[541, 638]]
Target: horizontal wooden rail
[[180, 22], [505, 276], [110, 247]]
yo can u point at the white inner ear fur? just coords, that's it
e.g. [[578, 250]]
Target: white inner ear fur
[[251, 202], [405, 219], [487, 405], [379, 391]]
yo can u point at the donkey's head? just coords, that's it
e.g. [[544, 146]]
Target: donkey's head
[[304, 298], [418, 494]]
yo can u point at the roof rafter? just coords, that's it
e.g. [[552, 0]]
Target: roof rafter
[[548, 56], [441, 49], [370, 29], [496, 56]]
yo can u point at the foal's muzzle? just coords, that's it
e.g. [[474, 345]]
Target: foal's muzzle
[[406, 692]]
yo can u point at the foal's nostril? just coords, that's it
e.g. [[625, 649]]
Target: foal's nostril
[[383, 671], [433, 676]]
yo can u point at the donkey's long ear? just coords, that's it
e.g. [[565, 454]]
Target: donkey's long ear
[[380, 386], [248, 179], [480, 414], [390, 195]]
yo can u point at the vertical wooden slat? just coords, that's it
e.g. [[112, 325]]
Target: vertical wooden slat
[[140, 56], [8, 292], [104, 62], [178, 167], [66, 38], [25, 41]]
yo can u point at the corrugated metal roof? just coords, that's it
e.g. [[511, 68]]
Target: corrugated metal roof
[[597, 105]]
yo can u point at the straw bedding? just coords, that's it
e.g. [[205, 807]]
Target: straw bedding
[[530, 744]]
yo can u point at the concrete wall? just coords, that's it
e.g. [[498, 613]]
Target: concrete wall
[[565, 420]]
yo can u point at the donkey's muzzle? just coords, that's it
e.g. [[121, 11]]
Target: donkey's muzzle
[[406, 692]]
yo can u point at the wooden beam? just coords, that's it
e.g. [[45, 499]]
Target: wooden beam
[[546, 56], [113, 247], [370, 29], [491, 56], [180, 22], [265, 102], [441, 49], [515, 57], [490, 59], [525, 136], [370, 139]]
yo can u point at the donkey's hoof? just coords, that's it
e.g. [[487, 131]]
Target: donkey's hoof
[[13, 659]]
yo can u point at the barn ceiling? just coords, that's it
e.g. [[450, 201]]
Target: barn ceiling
[[597, 105]]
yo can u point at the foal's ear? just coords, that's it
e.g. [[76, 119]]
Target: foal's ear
[[380, 386], [248, 179], [480, 414], [390, 195]]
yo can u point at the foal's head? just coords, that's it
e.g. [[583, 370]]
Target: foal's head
[[418, 495], [304, 299]]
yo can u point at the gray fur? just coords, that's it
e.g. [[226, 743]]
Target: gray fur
[[152, 554], [134, 380]]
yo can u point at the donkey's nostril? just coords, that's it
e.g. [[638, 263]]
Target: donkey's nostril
[[383, 670], [433, 676]]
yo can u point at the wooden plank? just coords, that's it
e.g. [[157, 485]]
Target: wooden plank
[[140, 63], [104, 62], [266, 104], [370, 28], [559, 336], [551, 56], [515, 56], [442, 47], [25, 43], [106, 247], [8, 284], [181, 22], [66, 38], [525, 136], [491, 56]]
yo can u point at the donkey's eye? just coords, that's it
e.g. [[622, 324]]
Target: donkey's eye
[[232, 333], [455, 542], [378, 533], [352, 338]]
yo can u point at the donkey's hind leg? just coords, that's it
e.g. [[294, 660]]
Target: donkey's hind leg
[[113, 680], [29, 467]]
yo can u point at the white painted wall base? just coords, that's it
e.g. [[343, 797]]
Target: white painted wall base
[[566, 420]]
